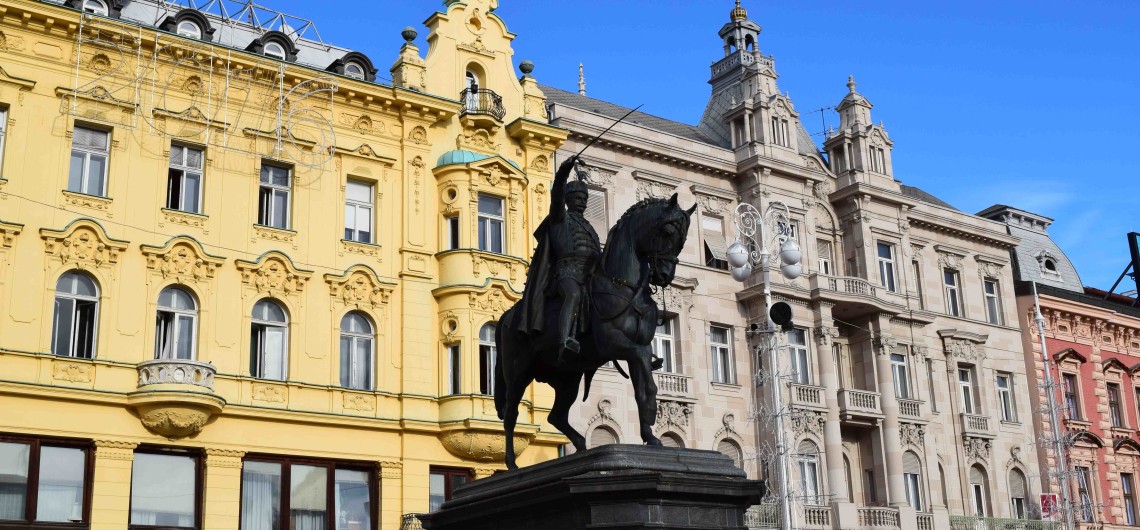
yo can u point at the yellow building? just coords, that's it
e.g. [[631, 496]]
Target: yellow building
[[242, 283]]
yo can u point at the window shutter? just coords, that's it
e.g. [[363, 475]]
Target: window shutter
[[713, 232], [911, 464], [90, 138], [602, 436], [823, 249], [1017, 485], [669, 440], [596, 213], [194, 158], [977, 476], [730, 449]]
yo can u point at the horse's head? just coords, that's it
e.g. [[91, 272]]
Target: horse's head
[[664, 241]]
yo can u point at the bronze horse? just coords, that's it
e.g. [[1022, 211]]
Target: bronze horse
[[641, 251]]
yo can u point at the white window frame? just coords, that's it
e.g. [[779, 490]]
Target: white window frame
[[179, 163], [184, 29], [878, 159], [260, 328], [887, 277], [1074, 411], [724, 370], [780, 130], [992, 291], [354, 339], [451, 232], [809, 479], [169, 324], [912, 485], [664, 341], [978, 498], [1005, 396], [487, 221], [824, 265], [74, 329], [358, 74], [266, 210], [3, 137], [800, 355], [278, 51], [901, 376], [1115, 414], [353, 209], [454, 369], [88, 153], [95, 7], [487, 359], [966, 390], [953, 292]]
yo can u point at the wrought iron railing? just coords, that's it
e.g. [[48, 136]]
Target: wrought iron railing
[[963, 522], [482, 101]]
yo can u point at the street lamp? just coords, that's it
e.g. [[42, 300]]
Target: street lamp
[[750, 249]]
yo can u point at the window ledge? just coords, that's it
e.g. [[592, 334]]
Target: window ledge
[[1121, 432], [191, 219], [275, 234], [1011, 423], [724, 386], [83, 200], [358, 247]]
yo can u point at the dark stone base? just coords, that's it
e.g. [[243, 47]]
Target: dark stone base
[[612, 487]]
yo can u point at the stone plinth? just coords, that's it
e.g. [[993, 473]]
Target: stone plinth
[[613, 487]]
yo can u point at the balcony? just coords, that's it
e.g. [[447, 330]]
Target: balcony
[[767, 515], [673, 385], [878, 517], [911, 410], [976, 425], [854, 296], [175, 397], [808, 396], [859, 406], [924, 521], [963, 522], [482, 107]]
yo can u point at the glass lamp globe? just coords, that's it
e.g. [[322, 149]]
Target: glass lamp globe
[[792, 271], [737, 255], [790, 252], [742, 273]]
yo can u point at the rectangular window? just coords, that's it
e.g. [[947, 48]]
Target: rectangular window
[[780, 134], [487, 368], [719, 342], [913, 489], [280, 494], [273, 198], [267, 351], [809, 481], [44, 481], [441, 483], [454, 370], [870, 498], [823, 251], [164, 490], [90, 149], [1114, 408], [953, 303], [712, 232], [491, 224], [878, 159], [966, 389], [1072, 401], [1017, 504], [596, 212], [1005, 396], [1084, 496], [184, 179], [978, 498], [900, 376], [798, 349], [886, 257], [451, 232], [663, 347], [916, 272], [1126, 489], [993, 301], [3, 137], [358, 221]]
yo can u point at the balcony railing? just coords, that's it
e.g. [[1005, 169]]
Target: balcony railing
[[482, 101], [767, 515], [975, 424], [817, 516], [860, 402], [672, 384], [962, 522], [925, 521], [174, 371], [807, 395], [410, 521], [910, 408], [878, 517], [851, 286]]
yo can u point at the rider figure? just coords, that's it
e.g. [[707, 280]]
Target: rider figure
[[575, 249]]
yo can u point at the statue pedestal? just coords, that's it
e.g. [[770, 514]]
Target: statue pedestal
[[613, 487]]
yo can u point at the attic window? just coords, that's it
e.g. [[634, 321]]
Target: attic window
[[272, 49], [354, 70], [95, 7], [189, 29], [1050, 265]]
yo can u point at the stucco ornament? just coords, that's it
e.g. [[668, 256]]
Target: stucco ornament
[[274, 273], [976, 448], [481, 446], [949, 261], [911, 434], [183, 259], [673, 414], [806, 421], [359, 288], [965, 350], [83, 243], [175, 398], [825, 334]]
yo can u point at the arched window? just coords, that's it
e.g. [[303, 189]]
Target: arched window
[[269, 341], [272, 49], [672, 440], [176, 325], [95, 7], [808, 463], [979, 492], [356, 338], [76, 316], [1018, 493], [1050, 265], [602, 436], [354, 70], [942, 483], [912, 480], [730, 449], [187, 28], [487, 352], [472, 90], [749, 43], [847, 476]]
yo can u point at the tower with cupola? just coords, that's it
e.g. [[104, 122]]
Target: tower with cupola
[[860, 150]]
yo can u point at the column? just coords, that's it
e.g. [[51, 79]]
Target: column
[[883, 343], [748, 138], [832, 436], [222, 509], [391, 494], [111, 486]]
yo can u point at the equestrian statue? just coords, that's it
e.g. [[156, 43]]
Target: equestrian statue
[[584, 307]]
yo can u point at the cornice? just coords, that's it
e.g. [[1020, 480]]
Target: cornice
[[963, 230]]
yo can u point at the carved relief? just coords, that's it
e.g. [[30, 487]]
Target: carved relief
[[175, 423], [495, 300], [806, 421], [604, 407], [84, 243], [274, 234], [268, 393], [481, 446], [115, 450], [492, 266], [8, 233], [965, 350], [540, 163], [185, 219], [363, 124], [651, 189], [182, 258], [360, 288], [358, 402], [976, 448], [418, 135], [712, 205], [363, 249], [274, 273], [949, 261], [600, 177], [99, 204], [672, 414], [478, 140], [989, 270], [911, 434], [824, 335], [391, 469], [418, 166], [540, 199], [72, 372]]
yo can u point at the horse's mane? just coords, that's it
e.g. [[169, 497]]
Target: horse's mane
[[636, 209]]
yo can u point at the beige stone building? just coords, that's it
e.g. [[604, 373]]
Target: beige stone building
[[906, 402]]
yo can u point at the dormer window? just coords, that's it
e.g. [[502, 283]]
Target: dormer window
[[1050, 265], [189, 29], [354, 71], [780, 134], [272, 49], [95, 7]]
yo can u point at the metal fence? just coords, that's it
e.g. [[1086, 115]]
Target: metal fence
[[960, 522]]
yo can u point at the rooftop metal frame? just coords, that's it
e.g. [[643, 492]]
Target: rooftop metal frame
[[256, 16]]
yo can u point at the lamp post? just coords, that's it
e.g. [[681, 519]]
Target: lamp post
[[755, 232]]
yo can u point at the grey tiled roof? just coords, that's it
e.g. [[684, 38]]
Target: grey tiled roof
[[916, 193], [1034, 246], [610, 110]]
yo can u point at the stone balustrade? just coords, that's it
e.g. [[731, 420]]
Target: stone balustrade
[[976, 424], [672, 384], [910, 409], [878, 517], [860, 401], [925, 521], [176, 371], [807, 395]]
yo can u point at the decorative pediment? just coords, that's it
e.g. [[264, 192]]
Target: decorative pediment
[[495, 299], [1086, 439], [672, 415], [273, 273], [976, 449], [191, 115], [95, 94], [1069, 353], [182, 258], [912, 434], [5, 77], [363, 124], [1126, 445], [1113, 364], [654, 185], [367, 152], [713, 200], [964, 345], [359, 287], [495, 170], [83, 243]]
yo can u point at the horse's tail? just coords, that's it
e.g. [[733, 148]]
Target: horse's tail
[[500, 383]]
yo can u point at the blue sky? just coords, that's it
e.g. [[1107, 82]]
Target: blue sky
[[1031, 104]]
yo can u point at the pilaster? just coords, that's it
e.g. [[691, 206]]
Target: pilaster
[[111, 487], [391, 501], [222, 489]]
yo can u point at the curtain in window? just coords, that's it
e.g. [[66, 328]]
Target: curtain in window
[[260, 504], [60, 493], [13, 479], [307, 499]]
